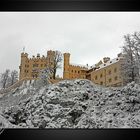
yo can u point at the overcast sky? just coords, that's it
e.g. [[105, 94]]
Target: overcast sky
[[88, 36]]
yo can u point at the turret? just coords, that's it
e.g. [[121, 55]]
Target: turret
[[106, 59], [66, 65], [24, 57], [38, 55], [50, 57]]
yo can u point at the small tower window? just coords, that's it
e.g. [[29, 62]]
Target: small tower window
[[35, 65], [101, 83], [101, 76], [116, 78], [110, 80], [96, 77], [109, 72], [115, 70]]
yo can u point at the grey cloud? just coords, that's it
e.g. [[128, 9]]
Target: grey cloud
[[88, 36]]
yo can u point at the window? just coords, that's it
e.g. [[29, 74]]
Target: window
[[110, 80], [101, 76], [115, 70], [78, 71], [75, 71], [116, 78], [96, 77], [109, 72], [35, 65], [101, 83], [41, 65], [72, 71]]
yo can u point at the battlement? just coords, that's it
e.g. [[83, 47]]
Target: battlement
[[79, 66], [24, 54], [66, 54], [37, 57]]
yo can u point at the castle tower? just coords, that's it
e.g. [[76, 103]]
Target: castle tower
[[50, 57], [24, 58], [66, 65]]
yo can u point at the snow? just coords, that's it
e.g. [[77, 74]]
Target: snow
[[71, 104], [110, 62]]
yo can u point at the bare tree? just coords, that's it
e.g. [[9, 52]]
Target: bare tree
[[4, 78], [56, 63], [130, 66], [136, 38], [45, 75], [13, 77]]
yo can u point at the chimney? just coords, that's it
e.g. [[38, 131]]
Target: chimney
[[120, 55], [38, 55], [106, 59]]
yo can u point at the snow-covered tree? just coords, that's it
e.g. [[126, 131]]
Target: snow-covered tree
[[13, 77], [45, 75], [4, 78], [56, 63], [130, 66], [136, 37]]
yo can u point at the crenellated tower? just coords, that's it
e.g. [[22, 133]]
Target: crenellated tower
[[66, 65], [24, 60], [50, 57]]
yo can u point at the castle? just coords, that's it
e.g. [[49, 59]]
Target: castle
[[106, 72], [30, 67]]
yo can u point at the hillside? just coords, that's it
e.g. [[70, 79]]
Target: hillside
[[71, 104]]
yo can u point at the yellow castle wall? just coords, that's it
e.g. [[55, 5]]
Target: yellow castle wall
[[71, 71], [108, 76], [30, 67], [101, 76]]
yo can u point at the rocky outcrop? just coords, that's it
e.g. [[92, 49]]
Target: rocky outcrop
[[76, 104]]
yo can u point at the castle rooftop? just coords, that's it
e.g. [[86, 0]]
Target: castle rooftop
[[108, 63]]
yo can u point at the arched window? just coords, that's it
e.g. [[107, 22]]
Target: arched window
[[96, 77], [115, 69], [116, 78], [109, 72], [110, 80], [101, 76]]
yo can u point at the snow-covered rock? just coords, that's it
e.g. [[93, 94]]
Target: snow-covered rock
[[72, 104]]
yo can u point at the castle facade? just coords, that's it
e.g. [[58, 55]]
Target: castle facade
[[106, 72], [30, 67]]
